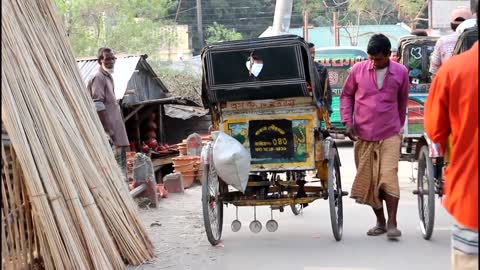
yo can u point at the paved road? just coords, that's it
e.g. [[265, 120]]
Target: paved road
[[306, 241]]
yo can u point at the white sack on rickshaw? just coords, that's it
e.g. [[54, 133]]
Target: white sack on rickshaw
[[232, 161]]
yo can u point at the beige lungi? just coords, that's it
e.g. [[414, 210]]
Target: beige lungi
[[377, 169]]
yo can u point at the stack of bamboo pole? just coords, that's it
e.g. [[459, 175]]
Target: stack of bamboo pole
[[79, 200]]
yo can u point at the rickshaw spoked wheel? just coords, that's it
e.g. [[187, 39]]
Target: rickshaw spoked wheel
[[335, 195], [211, 204], [426, 193]]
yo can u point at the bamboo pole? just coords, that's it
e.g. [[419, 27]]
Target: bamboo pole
[[83, 215]]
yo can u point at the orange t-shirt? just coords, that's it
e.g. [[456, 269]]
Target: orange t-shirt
[[452, 108]]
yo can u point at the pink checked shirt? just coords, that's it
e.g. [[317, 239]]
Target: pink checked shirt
[[443, 51], [376, 114]]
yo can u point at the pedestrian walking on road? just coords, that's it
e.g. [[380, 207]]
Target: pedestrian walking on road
[[101, 88], [444, 47], [373, 107], [451, 109]]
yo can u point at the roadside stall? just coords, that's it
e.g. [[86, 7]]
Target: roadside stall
[[155, 119]]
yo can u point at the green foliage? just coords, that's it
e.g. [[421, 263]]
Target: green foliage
[[409, 8], [185, 83], [318, 14], [134, 26], [128, 26], [377, 11], [250, 18], [218, 33]]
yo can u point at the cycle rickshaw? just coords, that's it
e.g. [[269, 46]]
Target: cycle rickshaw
[[433, 157], [265, 93], [414, 52]]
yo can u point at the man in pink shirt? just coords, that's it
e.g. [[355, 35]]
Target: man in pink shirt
[[373, 107]]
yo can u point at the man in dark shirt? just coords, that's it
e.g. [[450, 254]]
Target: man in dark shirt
[[101, 89], [323, 73]]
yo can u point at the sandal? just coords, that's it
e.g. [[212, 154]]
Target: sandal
[[393, 233], [377, 230]]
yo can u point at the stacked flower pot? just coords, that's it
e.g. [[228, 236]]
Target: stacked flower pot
[[188, 167]]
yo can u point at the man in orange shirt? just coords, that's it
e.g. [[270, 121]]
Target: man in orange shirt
[[451, 109]]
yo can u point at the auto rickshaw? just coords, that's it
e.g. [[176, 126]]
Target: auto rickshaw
[[274, 109], [338, 61]]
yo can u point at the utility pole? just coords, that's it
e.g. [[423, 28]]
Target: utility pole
[[282, 16], [430, 14], [336, 33], [178, 10], [199, 23], [305, 25]]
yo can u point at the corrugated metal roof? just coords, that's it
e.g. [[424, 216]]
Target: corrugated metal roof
[[184, 112], [125, 66]]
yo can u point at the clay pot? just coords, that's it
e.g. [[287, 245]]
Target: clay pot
[[206, 138], [162, 191], [184, 168], [131, 155], [145, 148], [183, 151], [188, 180], [184, 159], [152, 126], [152, 134], [152, 143], [131, 185], [151, 117]]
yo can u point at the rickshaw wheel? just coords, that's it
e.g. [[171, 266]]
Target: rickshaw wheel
[[296, 208], [335, 195], [211, 204], [425, 182]]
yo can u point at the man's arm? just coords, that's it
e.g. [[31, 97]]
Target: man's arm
[[435, 58], [97, 91], [403, 98], [347, 99], [437, 122]]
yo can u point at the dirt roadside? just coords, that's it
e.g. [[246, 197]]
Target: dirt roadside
[[178, 234]]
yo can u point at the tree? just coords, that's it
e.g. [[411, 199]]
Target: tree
[[318, 13], [411, 11], [128, 26], [379, 11], [249, 18], [218, 32]]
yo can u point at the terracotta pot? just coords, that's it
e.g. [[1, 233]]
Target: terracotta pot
[[183, 152], [188, 180], [184, 168], [184, 159], [162, 191], [131, 155]]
